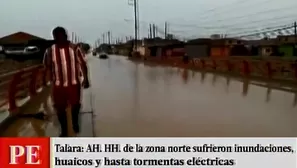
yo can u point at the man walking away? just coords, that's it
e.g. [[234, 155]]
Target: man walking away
[[65, 61]]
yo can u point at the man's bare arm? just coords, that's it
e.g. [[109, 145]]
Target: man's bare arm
[[83, 63], [47, 60]]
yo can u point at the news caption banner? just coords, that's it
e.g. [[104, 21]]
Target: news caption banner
[[147, 152]]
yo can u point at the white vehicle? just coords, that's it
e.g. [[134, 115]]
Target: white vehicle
[[31, 50], [19, 51]]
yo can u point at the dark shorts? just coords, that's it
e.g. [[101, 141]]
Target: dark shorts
[[64, 96]]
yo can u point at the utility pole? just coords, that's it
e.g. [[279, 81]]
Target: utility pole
[[295, 34], [138, 18], [97, 43], [72, 37], [154, 30], [166, 30], [109, 39], [135, 24], [103, 38], [75, 38], [150, 33]]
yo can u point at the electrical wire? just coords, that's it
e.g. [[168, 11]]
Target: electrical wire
[[206, 15], [264, 29], [251, 31], [254, 14], [276, 30]]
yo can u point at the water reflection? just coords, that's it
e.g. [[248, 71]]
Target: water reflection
[[29, 125], [246, 83], [245, 88], [268, 94], [295, 100], [203, 76], [136, 93], [152, 74], [168, 72], [214, 79], [228, 79], [193, 74], [185, 76]]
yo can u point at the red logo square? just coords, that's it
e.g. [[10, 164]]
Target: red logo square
[[24, 152]]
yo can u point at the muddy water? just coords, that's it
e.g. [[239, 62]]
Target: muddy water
[[133, 99]]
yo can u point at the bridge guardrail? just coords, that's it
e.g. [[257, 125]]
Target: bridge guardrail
[[18, 85]]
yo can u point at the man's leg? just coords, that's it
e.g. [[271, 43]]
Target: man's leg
[[75, 109], [62, 117], [60, 104], [75, 98]]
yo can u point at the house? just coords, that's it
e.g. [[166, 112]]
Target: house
[[287, 38], [174, 50], [264, 47], [14, 45], [198, 47], [225, 47], [163, 47], [19, 39], [287, 45]]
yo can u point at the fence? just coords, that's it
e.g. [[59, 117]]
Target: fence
[[19, 85], [267, 68]]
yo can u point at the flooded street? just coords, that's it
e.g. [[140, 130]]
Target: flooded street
[[133, 99]]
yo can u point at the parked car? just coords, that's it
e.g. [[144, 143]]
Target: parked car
[[23, 53], [103, 56], [31, 50], [1, 50]]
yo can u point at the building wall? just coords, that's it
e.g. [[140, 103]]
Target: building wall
[[266, 51], [195, 51], [219, 52], [286, 39], [178, 52], [124, 52], [288, 50], [159, 52], [143, 51]]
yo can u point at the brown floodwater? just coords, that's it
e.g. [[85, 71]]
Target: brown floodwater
[[136, 99], [131, 99]]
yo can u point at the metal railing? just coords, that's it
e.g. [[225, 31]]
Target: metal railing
[[21, 84]]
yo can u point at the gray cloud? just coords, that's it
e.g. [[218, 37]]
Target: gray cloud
[[90, 18]]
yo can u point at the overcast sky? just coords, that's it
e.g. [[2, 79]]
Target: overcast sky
[[186, 18]]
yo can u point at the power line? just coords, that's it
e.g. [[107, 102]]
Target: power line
[[263, 29], [255, 14], [269, 19], [275, 30], [257, 33], [220, 7], [205, 15], [247, 28], [233, 26]]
